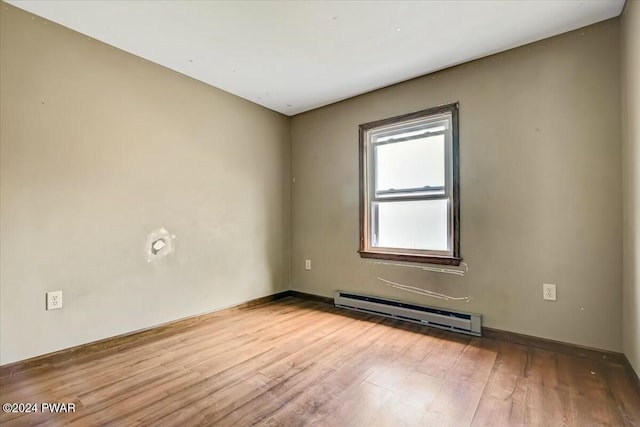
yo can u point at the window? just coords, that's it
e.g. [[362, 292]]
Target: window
[[409, 191]]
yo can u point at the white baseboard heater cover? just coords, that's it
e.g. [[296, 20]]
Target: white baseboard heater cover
[[456, 321]]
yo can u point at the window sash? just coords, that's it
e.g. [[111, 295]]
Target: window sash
[[413, 192], [375, 232], [405, 193]]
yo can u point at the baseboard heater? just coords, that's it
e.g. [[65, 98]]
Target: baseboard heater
[[466, 323]]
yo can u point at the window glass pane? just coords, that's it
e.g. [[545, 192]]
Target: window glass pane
[[411, 225], [410, 165]]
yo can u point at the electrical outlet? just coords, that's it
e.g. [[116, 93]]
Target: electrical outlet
[[54, 300], [307, 264], [548, 292]]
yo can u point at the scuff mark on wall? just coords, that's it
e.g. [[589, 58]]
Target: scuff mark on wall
[[425, 292]]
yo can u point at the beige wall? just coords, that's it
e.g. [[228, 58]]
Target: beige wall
[[99, 148], [541, 200], [630, 54]]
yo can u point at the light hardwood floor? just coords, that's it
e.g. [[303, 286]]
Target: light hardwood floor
[[294, 362]]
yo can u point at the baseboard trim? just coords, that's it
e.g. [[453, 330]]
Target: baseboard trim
[[129, 338], [531, 341], [632, 372], [552, 345], [311, 297]]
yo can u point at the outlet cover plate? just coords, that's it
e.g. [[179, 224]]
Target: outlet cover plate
[[549, 292], [54, 300]]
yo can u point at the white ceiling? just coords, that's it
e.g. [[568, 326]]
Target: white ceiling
[[293, 56]]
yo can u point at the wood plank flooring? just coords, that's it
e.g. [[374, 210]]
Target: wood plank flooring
[[294, 362]]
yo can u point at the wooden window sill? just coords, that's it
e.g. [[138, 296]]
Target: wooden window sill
[[426, 259]]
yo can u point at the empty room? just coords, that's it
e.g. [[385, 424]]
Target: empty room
[[331, 213]]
